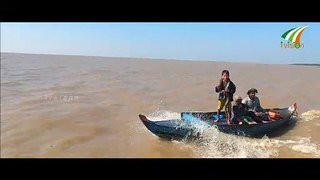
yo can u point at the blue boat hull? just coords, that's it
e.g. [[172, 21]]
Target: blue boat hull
[[170, 129], [184, 128]]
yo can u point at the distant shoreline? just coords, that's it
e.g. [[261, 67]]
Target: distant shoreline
[[301, 64], [144, 58]]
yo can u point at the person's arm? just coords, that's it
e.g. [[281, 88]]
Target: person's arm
[[259, 106], [244, 101], [246, 107], [218, 88], [235, 111], [233, 88]]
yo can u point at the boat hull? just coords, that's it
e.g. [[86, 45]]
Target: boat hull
[[185, 128]]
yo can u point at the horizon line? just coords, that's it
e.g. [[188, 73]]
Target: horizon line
[[166, 59]]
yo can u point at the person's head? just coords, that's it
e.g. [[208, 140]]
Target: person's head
[[252, 93], [225, 75], [237, 99]]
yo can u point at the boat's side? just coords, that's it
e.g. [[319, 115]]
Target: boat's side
[[201, 117], [254, 130], [244, 129], [186, 127], [169, 129]]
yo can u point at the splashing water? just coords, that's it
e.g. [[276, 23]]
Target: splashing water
[[157, 115], [220, 145], [311, 148], [310, 115], [303, 145], [215, 144], [160, 115]]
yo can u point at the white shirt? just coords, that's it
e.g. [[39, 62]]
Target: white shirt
[[253, 104]]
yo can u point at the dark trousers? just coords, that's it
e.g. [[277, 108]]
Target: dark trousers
[[250, 114], [254, 116]]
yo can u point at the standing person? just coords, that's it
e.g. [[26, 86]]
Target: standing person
[[226, 89]]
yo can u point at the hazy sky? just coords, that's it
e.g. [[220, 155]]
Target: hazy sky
[[236, 42]]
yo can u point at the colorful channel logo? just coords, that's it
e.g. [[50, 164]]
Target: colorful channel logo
[[293, 36]]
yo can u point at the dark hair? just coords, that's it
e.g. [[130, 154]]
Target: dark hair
[[252, 90], [225, 71]]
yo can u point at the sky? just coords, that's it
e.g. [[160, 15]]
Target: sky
[[232, 42]]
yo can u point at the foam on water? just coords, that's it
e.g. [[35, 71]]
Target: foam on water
[[311, 149], [160, 115], [310, 115], [215, 144], [302, 145], [220, 145]]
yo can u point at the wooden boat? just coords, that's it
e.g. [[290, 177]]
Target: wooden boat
[[187, 125]]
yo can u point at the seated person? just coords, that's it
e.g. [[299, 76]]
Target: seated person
[[253, 104], [240, 110]]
